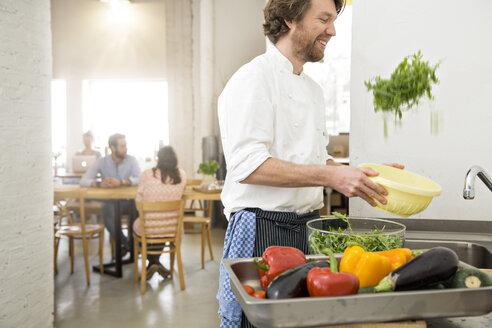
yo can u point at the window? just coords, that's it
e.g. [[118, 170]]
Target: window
[[59, 121], [333, 74], [136, 108]]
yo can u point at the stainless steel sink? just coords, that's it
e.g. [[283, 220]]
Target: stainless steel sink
[[474, 254], [471, 240], [479, 232]]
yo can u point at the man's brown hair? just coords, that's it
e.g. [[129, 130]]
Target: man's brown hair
[[278, 11], [113, 140]]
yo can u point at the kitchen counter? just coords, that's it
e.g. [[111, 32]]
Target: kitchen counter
[[484, 321]]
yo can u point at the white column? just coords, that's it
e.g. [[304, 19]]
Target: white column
[[179, 71], [203, 61], [26, 187]]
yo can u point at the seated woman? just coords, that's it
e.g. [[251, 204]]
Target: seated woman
[[88, 150], [165, 182]]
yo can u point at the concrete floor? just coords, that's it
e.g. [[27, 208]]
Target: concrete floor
[[116, 302]]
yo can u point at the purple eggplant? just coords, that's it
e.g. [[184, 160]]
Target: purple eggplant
[[432, 266]]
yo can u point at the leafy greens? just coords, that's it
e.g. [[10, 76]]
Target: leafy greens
[[340, 239], [411, 80]]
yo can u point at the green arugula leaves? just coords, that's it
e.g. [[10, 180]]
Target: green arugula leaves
[[411, 80], [372, 241]]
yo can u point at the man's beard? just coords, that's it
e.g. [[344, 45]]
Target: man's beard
[[306, 49], [120, 155]]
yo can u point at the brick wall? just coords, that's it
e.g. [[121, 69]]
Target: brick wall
[[26, 244]]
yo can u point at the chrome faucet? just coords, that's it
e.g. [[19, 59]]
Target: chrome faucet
[[469, 189]]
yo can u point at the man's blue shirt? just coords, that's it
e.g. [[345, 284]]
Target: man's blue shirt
[[127, 169]]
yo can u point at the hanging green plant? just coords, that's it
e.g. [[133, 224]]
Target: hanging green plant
[[411, 80]]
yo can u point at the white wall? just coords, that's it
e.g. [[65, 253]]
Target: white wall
[[90, 43], [238, 39], [384, 31], [26, 189], [207, 42]]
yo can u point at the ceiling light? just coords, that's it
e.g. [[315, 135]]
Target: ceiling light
[[115, 1]]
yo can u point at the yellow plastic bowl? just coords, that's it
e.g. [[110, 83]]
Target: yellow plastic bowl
[[408, 193]]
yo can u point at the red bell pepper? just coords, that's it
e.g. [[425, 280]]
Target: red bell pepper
[[277, 259], [264, 281], [330, 282]]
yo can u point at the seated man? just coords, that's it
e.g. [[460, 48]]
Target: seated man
[[117, 170]]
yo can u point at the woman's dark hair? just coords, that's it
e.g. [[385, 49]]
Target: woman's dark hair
[[278, 11], [167, 163]]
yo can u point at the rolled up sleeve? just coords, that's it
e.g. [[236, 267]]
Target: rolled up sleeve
[[91, 174], [246, 161], [247, 115]]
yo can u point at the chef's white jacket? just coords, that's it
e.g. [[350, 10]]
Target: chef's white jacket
[[266, 111]]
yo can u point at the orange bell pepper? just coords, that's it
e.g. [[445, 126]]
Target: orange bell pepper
[[397, 256], [369, 267]]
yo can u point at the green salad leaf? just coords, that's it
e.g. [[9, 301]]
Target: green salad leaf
[[372, 241], [412, 79]]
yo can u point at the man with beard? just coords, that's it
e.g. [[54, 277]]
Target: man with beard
[[117, 170], [272, 123]]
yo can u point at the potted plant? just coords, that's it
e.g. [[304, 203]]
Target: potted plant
[[208, 169], [56, 155]]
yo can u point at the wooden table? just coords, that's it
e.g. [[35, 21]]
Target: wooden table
[[192, 193], [115, 194], [127, 192], [68, 175]]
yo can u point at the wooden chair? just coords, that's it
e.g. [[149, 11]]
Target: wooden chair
[[191, 218], [150, 242], [61, 212], [76, 230], [191, 206], [95, 207]]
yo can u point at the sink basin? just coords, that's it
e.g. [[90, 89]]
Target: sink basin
[[474, 254]]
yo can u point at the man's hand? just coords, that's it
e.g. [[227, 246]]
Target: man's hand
[[352, 181], [110, 183]]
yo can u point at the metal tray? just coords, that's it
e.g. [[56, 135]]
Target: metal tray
[[323, 311]]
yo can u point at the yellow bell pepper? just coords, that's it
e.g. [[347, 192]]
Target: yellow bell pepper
[[369, 267], [397, 256]]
